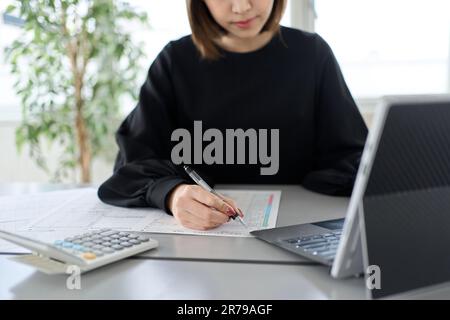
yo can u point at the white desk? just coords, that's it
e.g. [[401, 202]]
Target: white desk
[[163, 278]]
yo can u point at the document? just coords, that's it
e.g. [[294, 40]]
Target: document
[[19, 211], [260, 210], [56, 215]]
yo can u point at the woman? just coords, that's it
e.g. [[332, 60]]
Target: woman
[[238, 69]]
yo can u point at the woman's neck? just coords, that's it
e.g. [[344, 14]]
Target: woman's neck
[[242, 45]]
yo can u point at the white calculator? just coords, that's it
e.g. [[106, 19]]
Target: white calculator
[[86, 251]]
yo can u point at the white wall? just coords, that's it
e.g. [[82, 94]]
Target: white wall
[[302, 14]]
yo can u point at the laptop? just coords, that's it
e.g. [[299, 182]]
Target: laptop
[[348, 246]]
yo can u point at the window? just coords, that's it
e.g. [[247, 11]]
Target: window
[[168, 21], [389, 47]]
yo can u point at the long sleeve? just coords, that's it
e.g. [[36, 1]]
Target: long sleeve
[[143, 173], [340, 131]]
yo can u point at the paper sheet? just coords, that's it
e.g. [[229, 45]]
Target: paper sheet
[[55, 215], [260, 210], [19, 211]]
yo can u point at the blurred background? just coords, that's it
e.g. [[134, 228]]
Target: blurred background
[[383, 46]]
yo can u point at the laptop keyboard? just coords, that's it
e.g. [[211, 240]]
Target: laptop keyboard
[[323, 245]]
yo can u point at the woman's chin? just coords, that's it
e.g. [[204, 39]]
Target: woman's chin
[[246, 33]]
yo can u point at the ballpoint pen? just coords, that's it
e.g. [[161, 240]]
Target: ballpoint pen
[[202, 183]]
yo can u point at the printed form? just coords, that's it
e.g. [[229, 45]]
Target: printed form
[[55, 215], [260, 210]]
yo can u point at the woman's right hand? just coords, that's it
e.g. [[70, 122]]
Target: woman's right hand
[[196, 208]]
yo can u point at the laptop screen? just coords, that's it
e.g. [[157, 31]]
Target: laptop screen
[[407, 200]]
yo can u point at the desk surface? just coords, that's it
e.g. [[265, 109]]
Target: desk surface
[[189, 276]]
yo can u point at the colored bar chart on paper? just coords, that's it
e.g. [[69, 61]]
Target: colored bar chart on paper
[[260, 207]]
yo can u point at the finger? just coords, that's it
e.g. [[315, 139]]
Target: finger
[[207, 214], [193, 226], [233, 203], [193, 222], [199, 227], [211, 200], [199, 214], [188, 220]]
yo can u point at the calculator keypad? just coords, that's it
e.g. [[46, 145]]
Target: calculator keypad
[[95, 244]]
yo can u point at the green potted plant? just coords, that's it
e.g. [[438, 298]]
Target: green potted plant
[[74, 63]]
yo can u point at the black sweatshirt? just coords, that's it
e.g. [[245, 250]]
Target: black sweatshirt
[[293, 84]]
